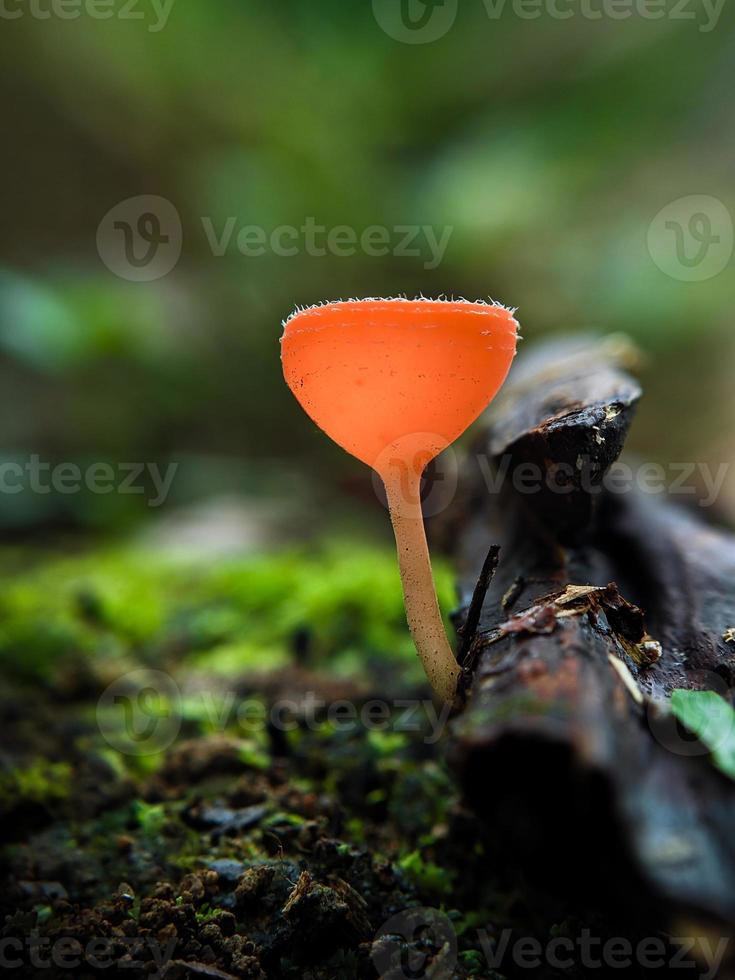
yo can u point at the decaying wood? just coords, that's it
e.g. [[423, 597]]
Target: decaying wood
[[601, 605]]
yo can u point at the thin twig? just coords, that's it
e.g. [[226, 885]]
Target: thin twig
[[469, 630]]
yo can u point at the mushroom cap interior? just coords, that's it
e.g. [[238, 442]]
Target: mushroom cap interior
[[393, 377]]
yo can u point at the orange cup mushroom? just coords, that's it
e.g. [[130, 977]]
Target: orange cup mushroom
[[394, 382]]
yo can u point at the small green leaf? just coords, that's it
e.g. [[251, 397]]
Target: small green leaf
[[712, 720]]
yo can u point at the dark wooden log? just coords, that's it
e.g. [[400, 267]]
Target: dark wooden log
[[602, 604]]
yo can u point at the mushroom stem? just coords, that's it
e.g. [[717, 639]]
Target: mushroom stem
[[403, 490]]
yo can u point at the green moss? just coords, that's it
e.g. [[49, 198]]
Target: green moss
[[284, 819], [41, 782], [151, 817], [207, 914], [343, 601], [473, 961], [43, 914], [253, 755], [355, 829], [386, 744], [239, 656], [426, 875]]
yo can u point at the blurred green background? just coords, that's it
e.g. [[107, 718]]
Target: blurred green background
[[546, 145]]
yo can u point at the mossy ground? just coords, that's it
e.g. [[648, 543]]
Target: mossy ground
[[230, 844]]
